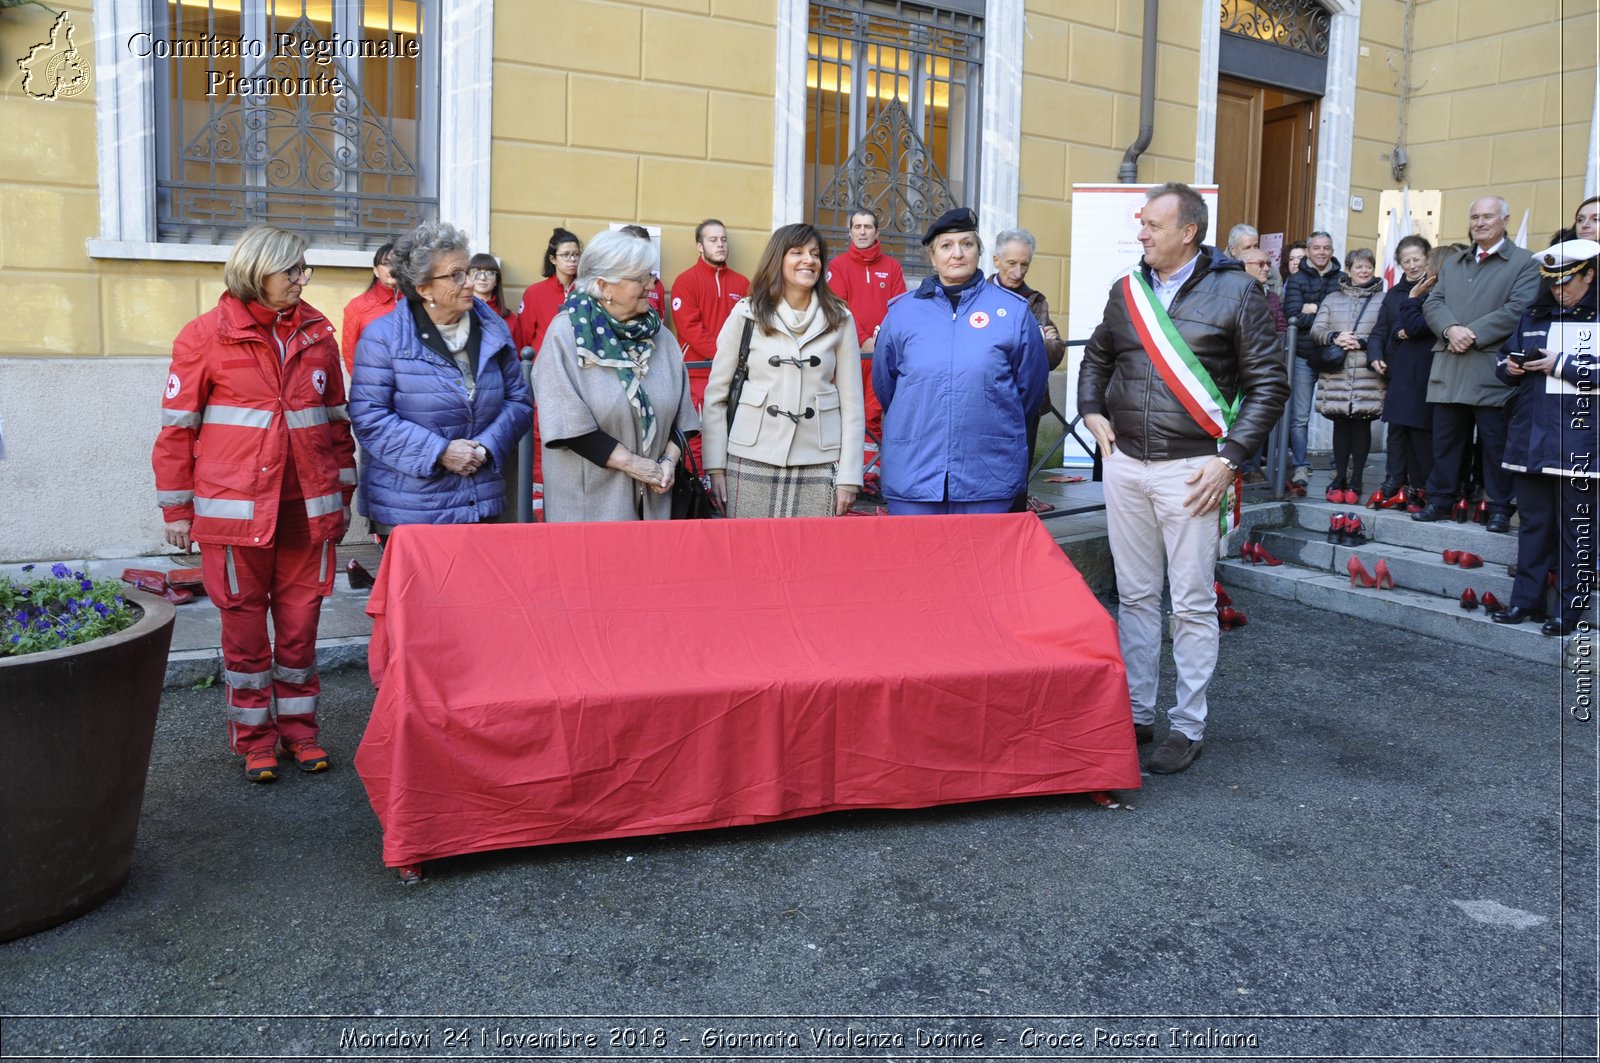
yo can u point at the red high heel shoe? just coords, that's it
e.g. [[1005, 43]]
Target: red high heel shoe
[[1396, 500], [1460, 511], [1481, 514], [1469, 599], [1491, 603], [1258, 555], [1351, 497], [1451, 556], [1382, 574], [1376, 499], [1471, 560], [1229, 618], [1359, 571], [1335, 494], [1224, 599]]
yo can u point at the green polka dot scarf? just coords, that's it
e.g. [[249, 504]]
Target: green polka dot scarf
[[622, 346]]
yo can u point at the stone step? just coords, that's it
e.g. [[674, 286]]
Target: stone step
[[1395, 527], [1412, 569], [1415, 612]]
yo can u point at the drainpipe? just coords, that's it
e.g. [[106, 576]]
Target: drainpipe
[[1129, 173]]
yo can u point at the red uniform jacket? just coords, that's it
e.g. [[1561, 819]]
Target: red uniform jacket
[[866, 280], [358, 314], [702, 298], [234, 414], [538, 308]]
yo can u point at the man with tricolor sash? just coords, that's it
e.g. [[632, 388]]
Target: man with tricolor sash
[[1182, 381]]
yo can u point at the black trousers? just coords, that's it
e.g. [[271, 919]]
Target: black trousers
[[1557, 529], [1452, 434], [1408, 456]]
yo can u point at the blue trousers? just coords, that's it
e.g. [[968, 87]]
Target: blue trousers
[[1556, 513]]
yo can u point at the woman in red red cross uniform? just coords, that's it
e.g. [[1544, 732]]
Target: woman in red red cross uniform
[[255, 463]]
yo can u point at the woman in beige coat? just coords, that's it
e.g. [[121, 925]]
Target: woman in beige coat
[[793, 448], [1352, 395]]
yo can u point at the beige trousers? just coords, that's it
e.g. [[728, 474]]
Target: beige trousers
[[1151, 535]]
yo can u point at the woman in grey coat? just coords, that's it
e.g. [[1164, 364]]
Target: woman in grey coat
[[609, 387], [1352, 395]]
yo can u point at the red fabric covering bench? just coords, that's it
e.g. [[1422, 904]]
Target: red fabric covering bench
[[536, 684]]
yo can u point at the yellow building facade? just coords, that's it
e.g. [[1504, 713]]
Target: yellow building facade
[[588, 113]]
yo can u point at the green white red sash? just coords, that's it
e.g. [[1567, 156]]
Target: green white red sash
[[1186, 377]]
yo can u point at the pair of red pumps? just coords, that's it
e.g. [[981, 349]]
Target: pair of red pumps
[[1471, 601], [1380, 577], [1464, 511], [1228, 617], [177, 586], [1462, 558], [1257, 554]]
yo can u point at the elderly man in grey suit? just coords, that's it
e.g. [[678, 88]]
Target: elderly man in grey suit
[[1472, 310]]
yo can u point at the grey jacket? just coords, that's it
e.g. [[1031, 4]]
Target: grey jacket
[[1222, 314], [573, 400], [1488, 298]]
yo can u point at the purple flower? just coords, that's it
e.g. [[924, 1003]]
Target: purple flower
[[86, 584], [100, 608], [59, 571]]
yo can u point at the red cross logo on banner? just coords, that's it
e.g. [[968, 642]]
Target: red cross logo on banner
[[978, 319]]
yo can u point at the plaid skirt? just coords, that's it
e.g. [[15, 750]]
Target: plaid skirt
[[756, 489]]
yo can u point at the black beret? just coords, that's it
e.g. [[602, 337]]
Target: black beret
[[954, 220]]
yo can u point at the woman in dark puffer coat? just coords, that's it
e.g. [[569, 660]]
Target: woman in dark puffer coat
[[1401, 350], [438, 401]]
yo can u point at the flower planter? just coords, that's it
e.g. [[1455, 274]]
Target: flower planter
[[76, 727]]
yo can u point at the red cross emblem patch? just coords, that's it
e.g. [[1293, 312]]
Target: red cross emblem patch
[[978, 319]]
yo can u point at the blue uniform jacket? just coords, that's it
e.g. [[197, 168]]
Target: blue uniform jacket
[[958, 390], [1552, 424], [407, 402]]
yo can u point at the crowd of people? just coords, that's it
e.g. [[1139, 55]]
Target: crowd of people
[[1180, 384]]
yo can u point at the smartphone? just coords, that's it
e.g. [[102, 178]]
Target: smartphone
[[1519, 356]]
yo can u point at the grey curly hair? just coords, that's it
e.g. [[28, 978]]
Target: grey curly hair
[[416, 251]]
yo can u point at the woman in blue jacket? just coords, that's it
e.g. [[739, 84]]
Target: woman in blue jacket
[[437, 400], [960, 368], [1550, 437]]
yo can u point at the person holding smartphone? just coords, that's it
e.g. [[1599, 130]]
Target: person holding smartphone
[[1550, 361]]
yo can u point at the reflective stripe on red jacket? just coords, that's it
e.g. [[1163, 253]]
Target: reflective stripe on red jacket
[[230, 413]]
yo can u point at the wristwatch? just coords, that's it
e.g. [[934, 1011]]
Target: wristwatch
[[1233, 466]]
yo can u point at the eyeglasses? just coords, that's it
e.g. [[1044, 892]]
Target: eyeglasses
[[300, 274], [458, 278], [569, 256], [485, 274]]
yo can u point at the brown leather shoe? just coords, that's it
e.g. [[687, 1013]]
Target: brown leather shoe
[[1175, 754]]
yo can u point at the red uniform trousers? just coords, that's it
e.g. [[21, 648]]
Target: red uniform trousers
[[290, 578]]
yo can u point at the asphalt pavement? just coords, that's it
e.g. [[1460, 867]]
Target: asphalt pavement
[[1386, 849]]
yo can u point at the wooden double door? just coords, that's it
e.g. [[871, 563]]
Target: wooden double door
[[1265, 160]]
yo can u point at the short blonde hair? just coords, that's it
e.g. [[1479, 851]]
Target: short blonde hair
[[262, 251]]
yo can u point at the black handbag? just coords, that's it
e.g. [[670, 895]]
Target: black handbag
[[741, 372], [690, 499], [1327, 357]]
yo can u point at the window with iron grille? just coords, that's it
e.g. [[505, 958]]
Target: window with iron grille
[[1303, 25], [314, 115], [894, 115]]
